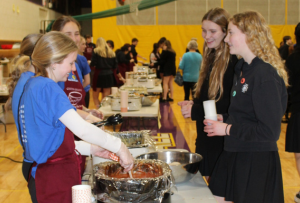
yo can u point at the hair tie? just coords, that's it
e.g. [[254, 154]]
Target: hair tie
[[30, 59]]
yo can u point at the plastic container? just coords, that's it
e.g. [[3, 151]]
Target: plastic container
[[6, 46]]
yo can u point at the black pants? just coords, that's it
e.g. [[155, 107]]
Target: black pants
[[188, 87], [26, 169], [87, 99]]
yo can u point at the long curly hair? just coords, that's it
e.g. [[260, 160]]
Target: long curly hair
[[103, 49], [217, 58], [260, 40]]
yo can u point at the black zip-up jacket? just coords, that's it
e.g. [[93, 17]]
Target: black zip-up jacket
[[293, 65], [106, 65], [258, 102]]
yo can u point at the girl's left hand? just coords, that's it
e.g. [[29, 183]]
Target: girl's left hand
[[215, 128]]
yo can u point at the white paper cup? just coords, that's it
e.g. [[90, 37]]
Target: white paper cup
[[114, 90], [135, 69], [210, 108], [81, 194]]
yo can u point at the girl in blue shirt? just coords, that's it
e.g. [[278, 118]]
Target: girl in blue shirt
[[44, 115]]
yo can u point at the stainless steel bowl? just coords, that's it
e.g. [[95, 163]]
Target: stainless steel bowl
[[149, 100], [184, 165]]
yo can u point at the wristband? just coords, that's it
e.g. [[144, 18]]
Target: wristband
[[226, 129]]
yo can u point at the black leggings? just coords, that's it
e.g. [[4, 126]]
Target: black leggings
[[188, 87], [26, 169]]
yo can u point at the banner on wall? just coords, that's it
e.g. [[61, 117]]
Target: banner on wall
[[134, 7]]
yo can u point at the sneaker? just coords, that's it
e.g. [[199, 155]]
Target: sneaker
[[297, 198]]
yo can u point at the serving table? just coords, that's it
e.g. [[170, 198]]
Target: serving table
[[145, 112]]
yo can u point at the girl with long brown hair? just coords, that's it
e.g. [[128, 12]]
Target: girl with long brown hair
[[214, 83], [168, 68], [249, 169]]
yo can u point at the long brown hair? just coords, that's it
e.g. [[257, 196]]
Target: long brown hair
[[60, 23], [169, 46], [260, 40], [26, 49], [217, 58]]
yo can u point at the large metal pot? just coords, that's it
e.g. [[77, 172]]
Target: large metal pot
[[184, 165]]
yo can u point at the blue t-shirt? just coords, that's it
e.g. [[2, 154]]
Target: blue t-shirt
[[190, 65], [16, 97], [72, 77], [42, 104], [84, 68]]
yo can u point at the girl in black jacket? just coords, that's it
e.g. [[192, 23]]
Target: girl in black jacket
[[249, 169], [214, 83]]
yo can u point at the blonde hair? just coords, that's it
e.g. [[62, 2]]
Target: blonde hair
[[217, 58], [26, 49], [192, 45], [103, 49], [52, 48], [260, 40]]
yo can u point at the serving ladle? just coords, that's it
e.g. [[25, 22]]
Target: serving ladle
[[111, 120]]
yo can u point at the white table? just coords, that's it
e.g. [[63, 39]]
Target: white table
[[194, 191], [157, 88], [148, 111]]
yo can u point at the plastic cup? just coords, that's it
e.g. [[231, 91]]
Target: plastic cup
[[81, 194], [114, 90]]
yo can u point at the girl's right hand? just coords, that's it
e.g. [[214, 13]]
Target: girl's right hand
[[220, 118], [126, 159], [186, 108]]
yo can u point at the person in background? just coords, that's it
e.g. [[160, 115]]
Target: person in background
[[154, 58], [123, 62], [81, 46], [167, 64], [161, 42], [249, 168], [45, 113], [284, 49], [90, 46], [16, 84], [197, 50], [104, 60], [79, 81], [118, 78], [190, 66], [292, 143], [134, 43], [214, 83], [111, 44]]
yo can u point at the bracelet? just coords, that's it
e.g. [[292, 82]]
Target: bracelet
[[226, 129]]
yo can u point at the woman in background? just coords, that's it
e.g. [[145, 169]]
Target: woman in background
[[104, 60], [190, 66], [168, 68], [154, 58], [123, 61], [81, 46], [292, 143]]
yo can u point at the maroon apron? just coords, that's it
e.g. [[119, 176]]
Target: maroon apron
[[55, 178], [76, 95], [123, 68]]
